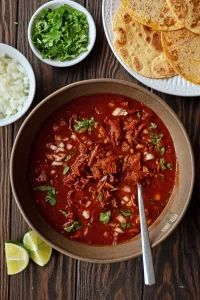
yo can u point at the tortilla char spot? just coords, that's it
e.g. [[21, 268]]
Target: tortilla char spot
[[169, 21], [126, 17], [174, 55], [156, 41], [147, 29], [120, 36], [148, 39], [137, 64], [123, 52]]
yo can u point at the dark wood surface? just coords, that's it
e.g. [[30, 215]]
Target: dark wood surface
[[177, 260]]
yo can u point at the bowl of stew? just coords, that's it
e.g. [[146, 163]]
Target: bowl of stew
[[84, 148]]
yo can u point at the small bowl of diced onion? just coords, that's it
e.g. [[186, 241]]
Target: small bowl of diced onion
[[17, 85]]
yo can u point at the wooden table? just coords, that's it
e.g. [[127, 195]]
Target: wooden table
[[177, 260]]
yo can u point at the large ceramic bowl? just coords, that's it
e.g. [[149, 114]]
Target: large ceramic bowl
[[170, 216]]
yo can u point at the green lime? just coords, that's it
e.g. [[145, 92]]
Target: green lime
[[17, 258], [39, 251]]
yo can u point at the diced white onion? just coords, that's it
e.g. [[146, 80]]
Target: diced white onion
[[69, 146], [86, 214], [126, 198], [118, 230], [73, 136], [121, 219], [61, 145], [118, 111], [57, 163], [149, 156], [126, 189], [53, 147], [14, 86]]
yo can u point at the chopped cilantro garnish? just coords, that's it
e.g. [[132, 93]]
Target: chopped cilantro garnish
[[161, 150], [138, 114], [125, 212], [61, 33], [152, 126], [162, 164], [68, 157], [165, 165], [100, 196], [105, 217], [51, 193], [65, 170], [84, 124], [73, 227], [125, 225], [63, 212], [155, 141], [169, 166]]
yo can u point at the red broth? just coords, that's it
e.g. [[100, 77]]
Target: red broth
[[85, 164]]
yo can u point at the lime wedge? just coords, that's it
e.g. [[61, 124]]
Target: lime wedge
[[17, 258], [39, 251]]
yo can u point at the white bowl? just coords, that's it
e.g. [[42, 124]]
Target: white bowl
[[92, 33], [14, 53]]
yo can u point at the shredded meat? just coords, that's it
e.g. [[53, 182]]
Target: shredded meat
[[93, 155], [107, 165], [115, 131], [71, 120], [42, 177], [82, 148], [132, 167], [125, 147], [80, 162], [132, 162]]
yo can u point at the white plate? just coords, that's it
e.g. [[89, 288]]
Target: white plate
[[174, 86]]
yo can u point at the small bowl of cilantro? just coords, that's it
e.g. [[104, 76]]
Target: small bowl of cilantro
[[61, 33]]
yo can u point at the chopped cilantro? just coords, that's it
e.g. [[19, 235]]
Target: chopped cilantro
[[100, 196], [65, 170], [152, 126], [138, 114], [63, 212], [73, 227], [126, 212], [84, 124], [68, 157], [61, 33], [125, 225], [164, 166], [161, 150], [155, 141], [169, 166], [105, 217], [51, 193]]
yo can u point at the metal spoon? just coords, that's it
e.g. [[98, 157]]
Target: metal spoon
[[149, 275]]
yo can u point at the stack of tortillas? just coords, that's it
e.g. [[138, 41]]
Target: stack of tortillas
[[159, 38]]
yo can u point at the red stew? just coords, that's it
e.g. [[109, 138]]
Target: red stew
[[87, 160]]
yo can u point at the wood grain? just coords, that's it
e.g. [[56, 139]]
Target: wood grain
[[177, 263]]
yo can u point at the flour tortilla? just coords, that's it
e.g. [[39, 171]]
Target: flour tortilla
[[182, 48], [156, 14], [140, 47], [188, 12]]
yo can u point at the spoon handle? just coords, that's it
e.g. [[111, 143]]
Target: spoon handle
[[149, 275]]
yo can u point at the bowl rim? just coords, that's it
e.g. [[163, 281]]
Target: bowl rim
[[23, 61], [166, 106], [92, 33]]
